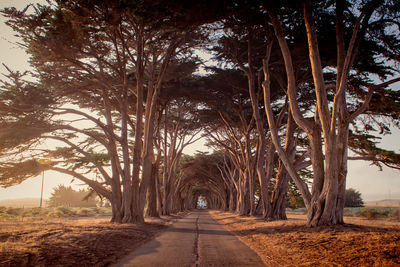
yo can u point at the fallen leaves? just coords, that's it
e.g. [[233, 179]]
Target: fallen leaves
[[290, 243]]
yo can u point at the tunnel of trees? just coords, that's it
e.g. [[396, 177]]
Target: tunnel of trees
[[298, 88]]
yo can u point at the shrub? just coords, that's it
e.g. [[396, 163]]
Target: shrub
[[395, 213], [5, 216], [63, 211], [14, 211], [355, 211], [36, 211], [104, 211], [374, 213], [86, 212]]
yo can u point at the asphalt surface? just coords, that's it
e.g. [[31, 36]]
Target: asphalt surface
[[195, 240]]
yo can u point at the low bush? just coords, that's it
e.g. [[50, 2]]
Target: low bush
[[6, 216], [105, 211], [36, 211], [61, 211], [7, 213], [395, 214], [374, 213], [86, 212], [352, 212], [14, 211]]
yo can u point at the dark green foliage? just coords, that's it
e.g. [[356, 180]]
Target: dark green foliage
[[23, 110], [353, 198], [15, 173], [366, 147]]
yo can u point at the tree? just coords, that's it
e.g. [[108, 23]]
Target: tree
[[353, 198], [111, 66], [242, 46], [107, 60], [200, 176], [66, 196], [333, 113]]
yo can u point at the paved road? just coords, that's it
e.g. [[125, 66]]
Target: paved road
[[195, 240]]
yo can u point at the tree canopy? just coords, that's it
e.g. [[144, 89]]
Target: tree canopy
[[299, 89]]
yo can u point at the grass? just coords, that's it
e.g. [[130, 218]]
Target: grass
[[79, 242], [7, 214], [372, 213], [49, 240]]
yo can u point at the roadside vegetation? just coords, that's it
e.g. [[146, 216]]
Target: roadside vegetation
[[71, 242], [9, 213]]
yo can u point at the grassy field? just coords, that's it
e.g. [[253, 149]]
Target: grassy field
[[374, 212], [70, 236], [15, 214], [84, 237]]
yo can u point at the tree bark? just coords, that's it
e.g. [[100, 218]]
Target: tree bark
[[152, 210], [278, 200]]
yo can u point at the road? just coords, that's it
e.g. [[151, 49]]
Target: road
[[195, 240]]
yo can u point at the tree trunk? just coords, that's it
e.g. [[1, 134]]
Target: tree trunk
[[278, 203], [278, 200], [152, 210], [137, 215], [343, 135], [232, 199]]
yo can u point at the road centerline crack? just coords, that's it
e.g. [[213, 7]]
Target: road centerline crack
[[196, 244]]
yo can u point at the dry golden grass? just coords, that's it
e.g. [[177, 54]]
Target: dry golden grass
[[72, 242], [290, 243]]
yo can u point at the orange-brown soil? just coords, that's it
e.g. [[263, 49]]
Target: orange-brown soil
[[72, 242], [96, 242], [359, 242]]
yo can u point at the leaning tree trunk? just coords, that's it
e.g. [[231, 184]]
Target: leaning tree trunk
[[261, 145], [278, 200]]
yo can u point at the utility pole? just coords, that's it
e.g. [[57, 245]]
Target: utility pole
[[43, 161], [41, 194]]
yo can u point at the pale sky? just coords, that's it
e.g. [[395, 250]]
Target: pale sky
[[372, 183]]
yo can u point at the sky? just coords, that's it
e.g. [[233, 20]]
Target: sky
[[372, 183]]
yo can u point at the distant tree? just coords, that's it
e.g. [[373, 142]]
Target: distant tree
[[293, 198], [353, 198], [66, 196]]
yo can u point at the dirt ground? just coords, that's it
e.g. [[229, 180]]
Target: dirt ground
[[72, 242], [96, 242], [359, 242]]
